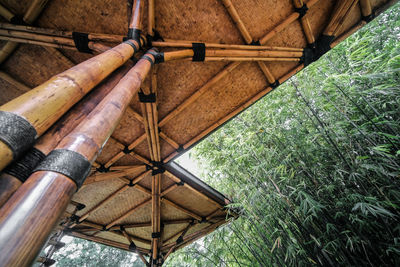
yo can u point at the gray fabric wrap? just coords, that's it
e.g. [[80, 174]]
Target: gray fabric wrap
[[68, 163], [16, 132]]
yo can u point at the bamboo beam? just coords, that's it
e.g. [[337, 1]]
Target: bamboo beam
[[98, 177], [181, 236], [236, 19], [132, 210], [341, 11], [41, 200], [12, 177], [132, 246], [104, 241], [151, 18], [305, 23], [366, 8], [281, 26], [184, 210], [5, 13], [30, 16]]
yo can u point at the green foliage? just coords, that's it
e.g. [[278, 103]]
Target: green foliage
[[314, 166]]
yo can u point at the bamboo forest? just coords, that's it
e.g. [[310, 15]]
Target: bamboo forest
[[312, 168]]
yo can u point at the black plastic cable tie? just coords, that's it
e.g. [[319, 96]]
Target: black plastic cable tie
[[132, 246], [80, 206], [199, 52], [156, 235], [179, 240], [103, 169], [48, 262], [301, 10], [81, 41], [154, 261], [158, 56], [105, 229], [68, 163], [16, 132], [150, 98], [203, 220], [134, 34], [18, 20], [135, 48], [255, 43], [131, 184], [275, 84], [150, 38], [180, 149], [22, 168], [148, 167], [181, 183], [158, 164]]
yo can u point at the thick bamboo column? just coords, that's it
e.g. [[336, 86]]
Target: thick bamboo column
[[39, 108], [30, 16], [29, 216], [17, 172]]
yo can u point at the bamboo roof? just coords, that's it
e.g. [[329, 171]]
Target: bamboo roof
[[193, 99]]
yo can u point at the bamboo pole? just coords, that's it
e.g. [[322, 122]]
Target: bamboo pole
[[30, 16], [42, 106], [129, 238], [305, 23], [179, 207], [281, 26], [151, 18], [104, 241], [236, 19], [12, 178], [30, 214], [366, 8], [5, 13], [341, 11], [98, 177], [181, 236]]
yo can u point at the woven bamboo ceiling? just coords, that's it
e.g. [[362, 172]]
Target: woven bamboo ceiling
[[192, 98]]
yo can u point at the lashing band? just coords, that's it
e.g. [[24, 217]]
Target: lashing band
[[156, 235], [16, 132], [302, 10], [23, 168], [132, 246], [81, 41], [255, 43], [199, 51], [135, 48], [158, 56], [67, 162], [150, 98]]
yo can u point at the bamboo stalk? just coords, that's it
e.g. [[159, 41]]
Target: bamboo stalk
[[188, 44], [156, 214], [42, 199], [98, 177], [135, 225], [129, 238], [47, 142], [30, 16], [132, 210], [236, 19], [366, 8], [5, 13], [104, 241], [342, 9], [94, 37], [305, 23], [281, 26], [136, 22], [151, 18], [184, 210], [245, 59]]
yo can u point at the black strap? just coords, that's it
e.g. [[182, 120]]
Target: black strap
[[134, 34], [156, 235], [301, 10], [157, 36], [275, 84], [180, 149], [16, 132], [23, 168], [308, 57], [181, 183], [150, 98], [67, 162], [132, 247], [158, 56], [149, 59], [80, 206], [158, 171], [368, 18], [17, 20], [135, 48], [199, 51], [103, 169], [179, 240], [323, 45], [255, 43], [81, 41]]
